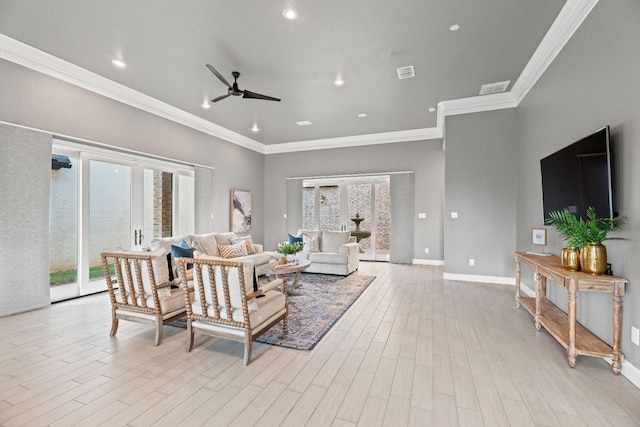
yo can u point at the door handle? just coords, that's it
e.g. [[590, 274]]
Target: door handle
[[135, 238], [140, 237]]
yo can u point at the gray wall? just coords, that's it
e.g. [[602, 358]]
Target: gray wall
[[35, 100], [424, 158], [592, 83], [480, 185], [24, 218]]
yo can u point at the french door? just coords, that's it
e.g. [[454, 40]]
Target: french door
[[106, 202], [358, 204]]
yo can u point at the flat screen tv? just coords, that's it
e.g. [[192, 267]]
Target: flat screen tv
[[579, 176]]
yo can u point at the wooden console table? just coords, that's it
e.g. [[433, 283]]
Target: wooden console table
[[575, 338]]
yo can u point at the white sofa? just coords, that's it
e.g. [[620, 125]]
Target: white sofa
[[207, 245], [337, 252]]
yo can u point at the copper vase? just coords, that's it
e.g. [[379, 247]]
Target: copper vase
[[571, 259], [593, 258]]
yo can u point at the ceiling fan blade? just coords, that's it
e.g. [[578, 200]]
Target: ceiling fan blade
[[218, 75], [220, 98], [253, 95]]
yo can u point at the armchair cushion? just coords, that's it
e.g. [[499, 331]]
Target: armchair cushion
[[332, 240]]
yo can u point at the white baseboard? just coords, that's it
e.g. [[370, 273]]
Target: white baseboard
[[482, 279], [427, 261], [629, 371]]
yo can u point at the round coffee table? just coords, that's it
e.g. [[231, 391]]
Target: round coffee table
[[286, 270]]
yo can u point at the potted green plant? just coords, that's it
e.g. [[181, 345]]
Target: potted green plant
[[587, 236], [289, 250], [572, 232]]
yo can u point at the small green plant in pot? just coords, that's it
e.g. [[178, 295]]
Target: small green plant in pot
[[289, 250], [586, 236], [572, 230]]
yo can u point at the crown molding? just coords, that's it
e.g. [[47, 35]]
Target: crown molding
[[570, 18], [22, 54], [476, 104], [356, 141], [572, 15]]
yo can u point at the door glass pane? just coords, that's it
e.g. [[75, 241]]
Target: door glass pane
[[186, 217], [329, 207], [309, 208], [109, 212], [359, 197], [383, 219], [158, 205], [63, 223]]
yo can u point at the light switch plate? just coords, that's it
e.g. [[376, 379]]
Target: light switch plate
[[422, 215], [454, 215]]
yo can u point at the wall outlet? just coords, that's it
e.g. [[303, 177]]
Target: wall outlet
[[426, 250], [454, 215], [635, 335], [472, 262], [284, 216], [422, 215]]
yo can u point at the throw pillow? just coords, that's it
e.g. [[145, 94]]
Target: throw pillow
[[233, 251], [310, 243], [332, 240], [205, 243], [251, 249], [225, 238], [182, 251], [294, 239]]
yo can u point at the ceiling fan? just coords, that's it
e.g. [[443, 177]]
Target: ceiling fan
[[233, 89]]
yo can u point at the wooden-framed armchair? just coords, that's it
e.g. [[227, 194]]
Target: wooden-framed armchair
[[141, 290], [222, 307]]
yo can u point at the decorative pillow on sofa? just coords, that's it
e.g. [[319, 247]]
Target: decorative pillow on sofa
[[311, 243], [182, 251], [225, 238], [294, 239], [332, 240], [251, 249], [233, 251], [206, 243]]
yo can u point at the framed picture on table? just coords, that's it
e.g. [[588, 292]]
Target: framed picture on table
[[240, 211], [539, 236]]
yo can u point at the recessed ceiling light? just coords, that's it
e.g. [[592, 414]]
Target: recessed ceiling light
[[290, 14], [338, 81], [119, 63], [362, 115], [454, 27], [206, 105], [432, 109], [303, 123], [255, 127]]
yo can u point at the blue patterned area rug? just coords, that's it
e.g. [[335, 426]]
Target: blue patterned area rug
[[314, 307]]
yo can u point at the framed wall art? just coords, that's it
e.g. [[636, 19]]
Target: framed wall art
[[539, 236], [240, 211]]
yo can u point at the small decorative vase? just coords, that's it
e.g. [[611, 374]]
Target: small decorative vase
[[283, 260], [593, 258], [291, 258], [571, 259]]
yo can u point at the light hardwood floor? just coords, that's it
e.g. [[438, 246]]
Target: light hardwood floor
[[413, 350]]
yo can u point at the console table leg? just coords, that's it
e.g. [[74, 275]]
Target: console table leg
[[517, 285], [618, 358], [571, 349], [538, 298]]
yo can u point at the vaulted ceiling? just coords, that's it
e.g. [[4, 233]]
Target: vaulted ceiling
[[166, 44]]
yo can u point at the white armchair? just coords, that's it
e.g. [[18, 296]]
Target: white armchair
[[221, 306]]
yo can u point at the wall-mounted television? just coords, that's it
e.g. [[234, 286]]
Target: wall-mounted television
[[579, 176]]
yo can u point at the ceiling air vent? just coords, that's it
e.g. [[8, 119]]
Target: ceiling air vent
[[406, 72], [498, 87]]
